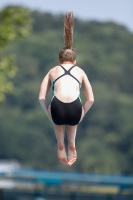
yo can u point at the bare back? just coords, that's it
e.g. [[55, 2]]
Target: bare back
[[66, 88]]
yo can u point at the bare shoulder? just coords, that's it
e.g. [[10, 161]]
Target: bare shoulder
[[49, 73], [81, 71], [52, 70]]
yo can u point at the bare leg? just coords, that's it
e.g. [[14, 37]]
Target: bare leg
[[59, 131], [72, 154]]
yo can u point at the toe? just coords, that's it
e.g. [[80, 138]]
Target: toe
[[71, 161]]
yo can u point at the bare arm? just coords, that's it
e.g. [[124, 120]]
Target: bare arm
[[87, 90], [45, 87]]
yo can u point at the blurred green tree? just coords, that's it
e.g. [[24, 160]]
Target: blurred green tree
[[15, 23], [104, 139]]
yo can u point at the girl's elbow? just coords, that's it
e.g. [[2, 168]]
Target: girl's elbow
[[40, 98], [92, 100]]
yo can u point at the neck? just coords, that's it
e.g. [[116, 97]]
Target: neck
[[67, 62]]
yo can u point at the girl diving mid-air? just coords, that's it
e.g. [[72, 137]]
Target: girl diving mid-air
[[66, 110]]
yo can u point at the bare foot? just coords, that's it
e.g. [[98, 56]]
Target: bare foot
[[72, 154], [62, 154]]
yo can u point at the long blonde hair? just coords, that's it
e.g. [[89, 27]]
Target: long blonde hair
[[67, 53], [68, 30]]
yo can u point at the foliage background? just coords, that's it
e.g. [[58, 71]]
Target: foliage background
[[105, 136]]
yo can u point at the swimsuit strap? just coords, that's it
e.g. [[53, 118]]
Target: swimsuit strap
[[66, 72]]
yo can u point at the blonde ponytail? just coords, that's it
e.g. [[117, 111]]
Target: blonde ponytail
[[67, 53], [68, 30]]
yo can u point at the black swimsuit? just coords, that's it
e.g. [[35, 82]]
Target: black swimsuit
[[66, 113]]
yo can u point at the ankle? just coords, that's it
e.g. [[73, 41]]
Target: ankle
[[71, 146], [60, 146]]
